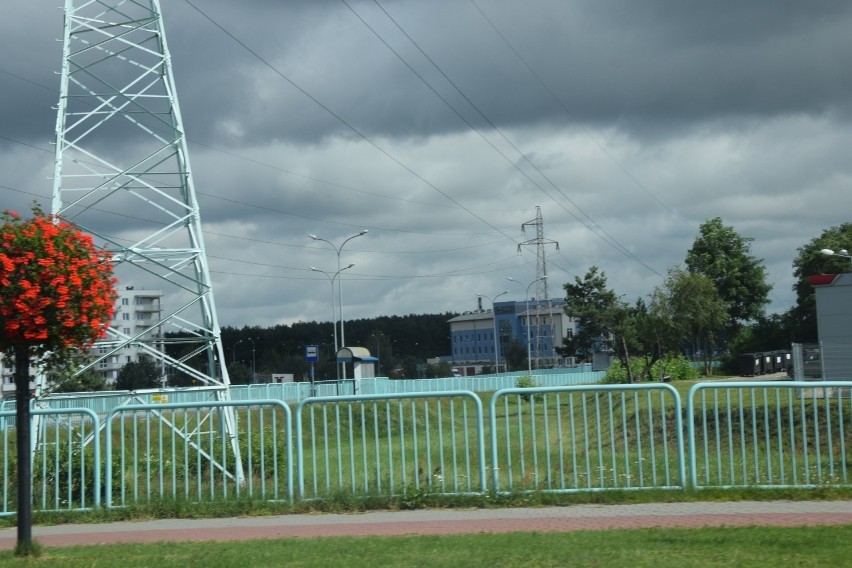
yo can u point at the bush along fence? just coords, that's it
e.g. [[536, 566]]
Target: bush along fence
[[565, 439]]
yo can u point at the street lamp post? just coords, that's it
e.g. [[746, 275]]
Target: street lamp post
[[338, 249], [234, 350], [842, 252], [527, 294], [494, 314], [253, 367], [331, 279], [378, 352]]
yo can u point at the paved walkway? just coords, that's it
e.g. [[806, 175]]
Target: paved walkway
[[449, 521]]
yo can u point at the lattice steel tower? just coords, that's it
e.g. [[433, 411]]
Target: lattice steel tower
[[541, 295], [122, 174]]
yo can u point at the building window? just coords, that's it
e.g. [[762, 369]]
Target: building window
[[125, 301], [125, 316]]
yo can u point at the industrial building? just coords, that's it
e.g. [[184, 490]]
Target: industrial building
[[538, 326]]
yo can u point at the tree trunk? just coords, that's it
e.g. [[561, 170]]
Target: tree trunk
[[627, 360], [22, 428]]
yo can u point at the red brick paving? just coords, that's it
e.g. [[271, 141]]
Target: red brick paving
[[448, 521]]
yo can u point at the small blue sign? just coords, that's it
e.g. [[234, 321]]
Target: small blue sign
[[311, 353]]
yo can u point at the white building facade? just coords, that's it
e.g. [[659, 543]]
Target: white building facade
[[136, 310]]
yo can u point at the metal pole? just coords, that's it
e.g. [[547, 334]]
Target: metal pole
[[333, 313], [527, 293], [496, 341], [22, 426], [253, 368], [234, 350], [340, 285]]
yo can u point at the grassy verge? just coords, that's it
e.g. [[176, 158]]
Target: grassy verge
[[657, 548]]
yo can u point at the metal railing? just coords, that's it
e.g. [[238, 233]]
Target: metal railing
[[181, 451], [769, 434], [541, 439], [391, 444], [66, 467], [586, 438]]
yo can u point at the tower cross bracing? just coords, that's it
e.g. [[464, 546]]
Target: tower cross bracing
[[122, 174], [541, 293]]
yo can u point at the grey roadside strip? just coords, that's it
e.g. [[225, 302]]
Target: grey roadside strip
[[667, 510]]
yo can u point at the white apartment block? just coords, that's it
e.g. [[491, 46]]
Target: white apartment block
[[137, 312]]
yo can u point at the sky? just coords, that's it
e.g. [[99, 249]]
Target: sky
[[440, 127]]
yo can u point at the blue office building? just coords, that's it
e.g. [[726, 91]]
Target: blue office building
[[538, 326]]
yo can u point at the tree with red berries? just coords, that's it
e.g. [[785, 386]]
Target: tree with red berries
[[57, 295]]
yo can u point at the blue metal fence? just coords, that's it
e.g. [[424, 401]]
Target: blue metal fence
[[543, 439], [586, 438], [391, 444], [769, 434], [182, 450], [66, 465]]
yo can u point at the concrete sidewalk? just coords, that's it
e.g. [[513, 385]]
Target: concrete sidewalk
[[449, 521]]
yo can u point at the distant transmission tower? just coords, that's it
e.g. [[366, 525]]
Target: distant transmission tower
[[541, 295], [122, 168]]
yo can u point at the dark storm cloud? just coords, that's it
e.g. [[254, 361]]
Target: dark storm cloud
[[644, 65], [667, 113]]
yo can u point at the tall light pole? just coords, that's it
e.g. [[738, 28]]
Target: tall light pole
[[338, 249], [842, 252], [331, 279], [253, 368], [234, 350], [494, 313], [527, 294]]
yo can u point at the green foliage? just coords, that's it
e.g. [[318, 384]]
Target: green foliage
[[239, 373], [65, 376], [442, 369], [594, 308], [723, 256], [678, 367], [801, 319], [526, 382], [616, 374], [87, 381], [672, 367], [414, 498], [140, 374], [697, 310]]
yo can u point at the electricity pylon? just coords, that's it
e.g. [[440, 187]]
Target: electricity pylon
[[122, 174], [541, 296]]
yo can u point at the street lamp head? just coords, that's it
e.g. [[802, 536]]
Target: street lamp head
[[314, 237], [351, 264], [828, 252], [363, 232]]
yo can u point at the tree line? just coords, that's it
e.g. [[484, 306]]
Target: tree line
[[710, 307]]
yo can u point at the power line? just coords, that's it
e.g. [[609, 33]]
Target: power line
[[570, 115], [345, 123], [591, 224]]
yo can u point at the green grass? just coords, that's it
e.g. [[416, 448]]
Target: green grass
[[657, 548]]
